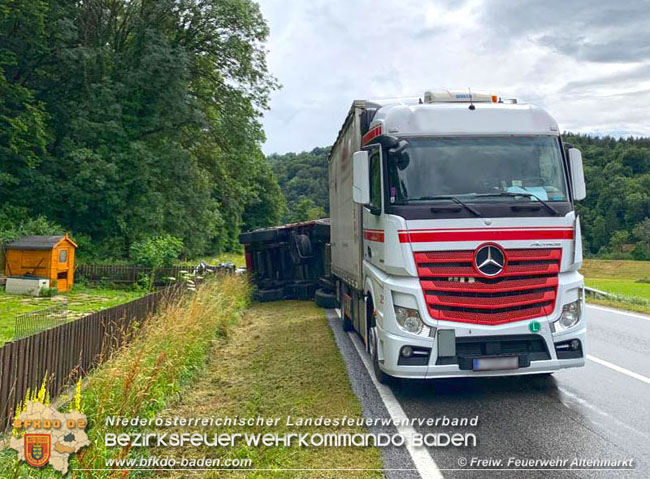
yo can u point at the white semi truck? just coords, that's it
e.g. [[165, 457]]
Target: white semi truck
[[454, 238]]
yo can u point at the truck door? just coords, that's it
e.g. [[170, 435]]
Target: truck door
[[373, 224]]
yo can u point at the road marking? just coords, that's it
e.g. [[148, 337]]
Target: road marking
[[618, 311], [627, 372], [426, 466]]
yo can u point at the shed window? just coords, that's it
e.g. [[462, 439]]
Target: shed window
[[63, 256]]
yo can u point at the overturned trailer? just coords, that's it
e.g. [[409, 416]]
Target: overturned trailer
[[291, 262]]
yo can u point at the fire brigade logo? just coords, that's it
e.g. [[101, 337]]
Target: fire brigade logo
[[42, 435], [489, 260], [37, 449]]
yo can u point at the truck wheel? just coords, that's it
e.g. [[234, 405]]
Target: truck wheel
[[300, 249], [325, 299], [300, 290], [326, 283], [380, 375], [264, 295]]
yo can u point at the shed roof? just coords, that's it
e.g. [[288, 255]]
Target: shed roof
[[37, 242]]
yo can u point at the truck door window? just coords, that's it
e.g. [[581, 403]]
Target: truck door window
[[375, 180]]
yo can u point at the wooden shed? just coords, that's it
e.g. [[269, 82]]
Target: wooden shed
[[49, 257]]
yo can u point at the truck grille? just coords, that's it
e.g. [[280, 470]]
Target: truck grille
[[455, 291]]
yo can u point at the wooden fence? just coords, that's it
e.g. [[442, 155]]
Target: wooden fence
[[128, 273], [116, 273], [68, 352]]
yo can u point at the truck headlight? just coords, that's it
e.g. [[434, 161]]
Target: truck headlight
[[570, 315], [409, 320]]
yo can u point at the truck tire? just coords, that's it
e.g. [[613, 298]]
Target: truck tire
[[265, 295], [325, 299], [327, 284], [380, 375], [301, 250], [300, 290]]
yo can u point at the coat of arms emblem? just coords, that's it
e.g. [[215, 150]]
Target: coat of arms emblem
[[37, 449]]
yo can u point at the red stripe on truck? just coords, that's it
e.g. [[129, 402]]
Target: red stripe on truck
[[373, 133], [432, 236]]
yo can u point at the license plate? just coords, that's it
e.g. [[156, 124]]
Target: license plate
[[495, 364]]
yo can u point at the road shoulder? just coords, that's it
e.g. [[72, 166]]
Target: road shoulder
[[281, 360]]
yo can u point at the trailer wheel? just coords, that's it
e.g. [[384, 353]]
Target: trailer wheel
[[265, 295], [301, 250], [380, 375], [325, 299], [327, 284], [300, 290]]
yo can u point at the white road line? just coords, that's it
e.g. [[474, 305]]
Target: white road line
[[618, 311], [426, 466], [619, 369]]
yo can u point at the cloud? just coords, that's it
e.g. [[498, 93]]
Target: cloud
[[628, 77], [590, 30], [581, 60]]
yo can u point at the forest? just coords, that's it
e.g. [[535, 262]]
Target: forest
[[615, 216], [126, 119]]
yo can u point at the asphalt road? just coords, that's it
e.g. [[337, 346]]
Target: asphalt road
[[601, 411]]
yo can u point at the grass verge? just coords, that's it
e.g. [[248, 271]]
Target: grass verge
[[168, 353], [627, 281], [281, 360], [615, 269]]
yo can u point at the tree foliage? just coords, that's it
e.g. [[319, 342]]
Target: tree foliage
[[617, 206], [15, 223], [157, 251], [303, 176], [123, 119]]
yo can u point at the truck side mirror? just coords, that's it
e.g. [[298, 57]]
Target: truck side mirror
[[361, 178], [577, 174]]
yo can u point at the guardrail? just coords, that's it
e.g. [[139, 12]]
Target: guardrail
[[597, 292], [619, 298]]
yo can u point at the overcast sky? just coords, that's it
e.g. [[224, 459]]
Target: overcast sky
[[587, 62]]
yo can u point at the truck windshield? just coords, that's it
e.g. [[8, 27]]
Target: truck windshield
[[477, 169]]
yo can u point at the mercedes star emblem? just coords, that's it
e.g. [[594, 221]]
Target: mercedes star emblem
[[489, 260]]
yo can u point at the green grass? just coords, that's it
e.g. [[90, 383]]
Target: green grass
[[629, 280], [166, 356], [81, 300], [616, 269], [267, 369], [625, 287]]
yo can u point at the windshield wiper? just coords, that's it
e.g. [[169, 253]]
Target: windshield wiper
[[474, 211], [528, 195]]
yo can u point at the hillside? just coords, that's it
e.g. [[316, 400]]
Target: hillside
[[303, 180], [614, 216]]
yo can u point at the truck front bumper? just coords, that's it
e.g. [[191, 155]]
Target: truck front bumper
[[392, 345], [547, 359]]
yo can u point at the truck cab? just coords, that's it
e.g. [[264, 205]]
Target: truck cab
[[455, 237]]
